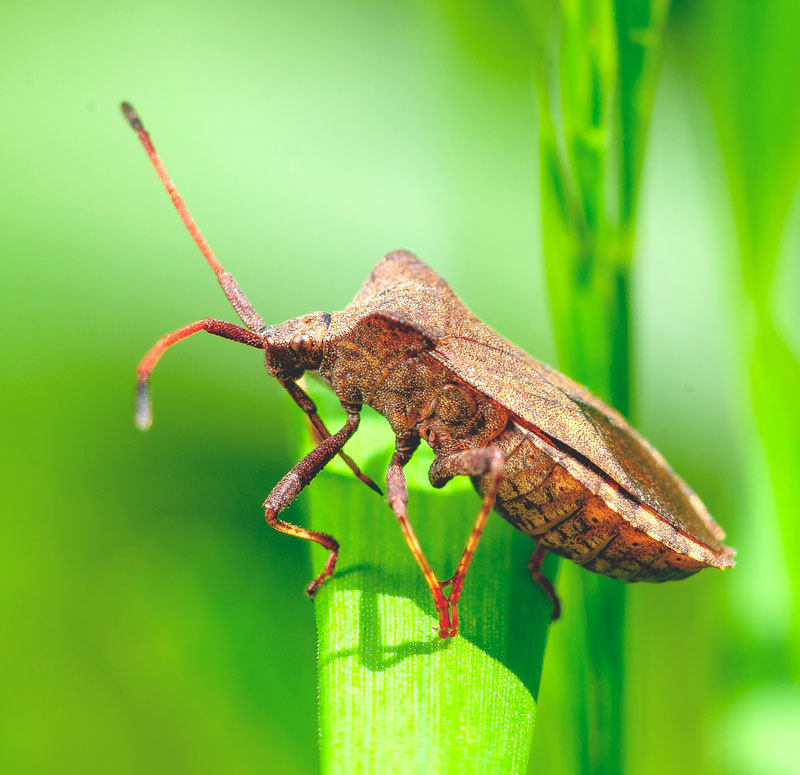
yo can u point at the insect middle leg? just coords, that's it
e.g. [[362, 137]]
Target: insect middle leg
[[470, 462], [288, 488]]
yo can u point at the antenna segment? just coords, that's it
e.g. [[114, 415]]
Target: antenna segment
[[229, 286]]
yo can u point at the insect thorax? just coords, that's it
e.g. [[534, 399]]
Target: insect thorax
[[392, 370]]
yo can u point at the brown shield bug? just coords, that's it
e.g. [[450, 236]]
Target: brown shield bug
[[555, 461]]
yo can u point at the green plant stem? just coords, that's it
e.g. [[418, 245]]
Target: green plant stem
[[607, 64], [393, 695]]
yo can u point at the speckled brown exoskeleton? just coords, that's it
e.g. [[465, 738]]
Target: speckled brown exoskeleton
[[555, 461]]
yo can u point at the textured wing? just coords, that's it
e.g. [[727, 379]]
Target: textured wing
[[403, 288]]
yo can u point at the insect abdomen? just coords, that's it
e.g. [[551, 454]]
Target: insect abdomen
[[541, 499]]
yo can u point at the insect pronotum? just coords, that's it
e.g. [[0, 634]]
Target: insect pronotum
[[561, 466]]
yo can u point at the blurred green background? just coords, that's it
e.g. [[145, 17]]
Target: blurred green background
[[151, 620]]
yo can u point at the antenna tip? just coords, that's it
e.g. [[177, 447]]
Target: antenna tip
[[131, 116], [144, 412]]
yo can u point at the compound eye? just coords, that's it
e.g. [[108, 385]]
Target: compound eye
[[301, 343]]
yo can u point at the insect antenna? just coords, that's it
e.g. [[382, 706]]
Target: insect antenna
[[229, 286]]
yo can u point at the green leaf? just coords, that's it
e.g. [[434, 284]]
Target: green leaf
[[393, 695]]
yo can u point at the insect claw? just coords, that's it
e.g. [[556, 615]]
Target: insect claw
[[448, 620], [448, 632], [143, 416], [327, 572], [312, 588]]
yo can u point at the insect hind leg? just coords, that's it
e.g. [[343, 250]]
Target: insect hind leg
[[535, 569], [470, 462], [397, 495]]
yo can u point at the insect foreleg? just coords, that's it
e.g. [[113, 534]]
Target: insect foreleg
[[397, 492], [144, 417], [304, 401], [535, 568], [470, 462], [288, 488]]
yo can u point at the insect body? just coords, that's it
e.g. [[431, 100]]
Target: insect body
[[556, 462]]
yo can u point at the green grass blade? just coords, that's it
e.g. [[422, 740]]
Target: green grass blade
[[747, 63], [393, 696], [746, 58], [640, 31], [608, 59]]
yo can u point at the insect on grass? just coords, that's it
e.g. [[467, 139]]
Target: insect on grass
[[556, 462]]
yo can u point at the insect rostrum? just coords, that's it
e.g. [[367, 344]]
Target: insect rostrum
[[556, 462]]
